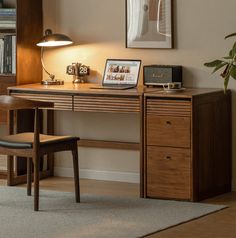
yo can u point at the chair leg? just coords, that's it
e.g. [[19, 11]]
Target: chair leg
[[29, 176], [36, 183], [76, 173]]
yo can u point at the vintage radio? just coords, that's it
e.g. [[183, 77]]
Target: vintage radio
[[158, 75]]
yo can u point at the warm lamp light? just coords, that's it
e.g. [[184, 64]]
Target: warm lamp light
[[52, 40]]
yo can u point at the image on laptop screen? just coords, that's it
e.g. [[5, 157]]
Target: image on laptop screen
[[121, 72]]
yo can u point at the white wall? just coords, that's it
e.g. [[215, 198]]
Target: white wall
[[98, 30]]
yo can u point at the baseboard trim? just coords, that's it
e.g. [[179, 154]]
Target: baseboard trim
[[99, 175]]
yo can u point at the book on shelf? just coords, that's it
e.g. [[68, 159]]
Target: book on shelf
[[7, 24], [8, 11], [7, 18], [8, 54], [1, 54]]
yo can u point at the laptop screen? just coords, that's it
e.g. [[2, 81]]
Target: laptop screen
[[121, 72]]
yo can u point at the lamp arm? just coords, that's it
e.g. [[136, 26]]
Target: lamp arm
[[52, 76]]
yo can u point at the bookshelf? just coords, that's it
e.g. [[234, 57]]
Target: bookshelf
[[28, 30]]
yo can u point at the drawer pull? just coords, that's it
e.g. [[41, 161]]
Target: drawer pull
[[168, 122], [168, 157]]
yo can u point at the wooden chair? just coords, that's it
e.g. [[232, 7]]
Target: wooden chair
[[33, 145]]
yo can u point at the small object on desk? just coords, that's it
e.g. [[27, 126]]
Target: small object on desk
[[157, 75], [174, 90], [79, 71], [51, 40], [174, 85], [120, 74]]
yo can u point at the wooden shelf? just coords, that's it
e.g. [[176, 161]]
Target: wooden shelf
[[28, 31], [7, 75], [7, 31]]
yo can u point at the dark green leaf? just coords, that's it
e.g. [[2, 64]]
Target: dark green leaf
[[234, 49], [214, 63], [230, 35], [233, 71], [226, 81], [231, 54], [228, 57], [226, 71], [219, 66]]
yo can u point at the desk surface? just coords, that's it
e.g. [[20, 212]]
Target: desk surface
[[84, 88], [70, 88]]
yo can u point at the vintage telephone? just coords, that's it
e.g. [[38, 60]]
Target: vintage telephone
[[79, 70]]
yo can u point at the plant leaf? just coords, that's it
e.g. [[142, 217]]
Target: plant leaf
[[230, 35], [231, 54], [214, 63], [233, 71], [226, 81], [234, 50], [228, 57], [219, 66]]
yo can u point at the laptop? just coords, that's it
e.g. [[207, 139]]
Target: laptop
[[120, 74]]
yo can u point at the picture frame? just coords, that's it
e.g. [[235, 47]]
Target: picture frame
[[121, 72], [149, 24]]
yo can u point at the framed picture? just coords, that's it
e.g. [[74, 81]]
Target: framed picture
[[149, 24], [121, 72]]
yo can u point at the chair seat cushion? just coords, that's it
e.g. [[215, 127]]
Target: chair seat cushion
[[25, 140]]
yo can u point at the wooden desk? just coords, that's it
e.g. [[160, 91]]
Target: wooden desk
[[81, 98], [185, 137]]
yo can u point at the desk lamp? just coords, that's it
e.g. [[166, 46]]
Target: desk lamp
[[51, 40]]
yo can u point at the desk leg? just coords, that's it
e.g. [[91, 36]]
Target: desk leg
[[50, 131], [141, 151], [10, 162]]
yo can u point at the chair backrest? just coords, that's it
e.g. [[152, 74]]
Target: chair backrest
[[15, 103], [11, 104]]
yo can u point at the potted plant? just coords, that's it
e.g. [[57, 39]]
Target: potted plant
[[228, 63]]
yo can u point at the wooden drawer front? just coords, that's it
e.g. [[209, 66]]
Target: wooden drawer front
[[106, 104], [168, 107], [169, 131], [168, 173], [60, 102]]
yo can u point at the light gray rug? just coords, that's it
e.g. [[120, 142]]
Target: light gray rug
[[94, 217]]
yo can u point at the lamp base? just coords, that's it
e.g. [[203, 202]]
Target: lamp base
[[78, 80], [52, 82]]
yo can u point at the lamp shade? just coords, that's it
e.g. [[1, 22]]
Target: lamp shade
[[50, 39]]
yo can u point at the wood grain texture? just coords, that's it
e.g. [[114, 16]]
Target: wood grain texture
[[5, 82], [169, 131], [109, 144], [172, 121], [112, 104], [29, 29], [61, 102], [212, 145], [169, 107], [208, 130], [168, 172], [29, 32]]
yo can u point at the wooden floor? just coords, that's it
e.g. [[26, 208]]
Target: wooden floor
[[218, 225]]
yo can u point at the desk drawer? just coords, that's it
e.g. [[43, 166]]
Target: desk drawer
[[168, 107], [168, 131], [61, 102], [168, 172], [106, 104]]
